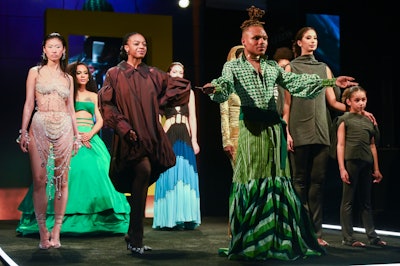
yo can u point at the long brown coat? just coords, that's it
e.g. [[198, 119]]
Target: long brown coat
[[129, 99]]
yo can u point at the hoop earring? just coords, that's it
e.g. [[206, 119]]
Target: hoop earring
[[44, 56], [63, 56]]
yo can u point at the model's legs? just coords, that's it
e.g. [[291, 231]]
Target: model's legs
[[299, 161], [40, 200], [320, 155], [137, 201], [61, 196], [365, 186], [346, 207]]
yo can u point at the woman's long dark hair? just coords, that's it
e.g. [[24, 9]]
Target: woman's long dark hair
[[90, 86]]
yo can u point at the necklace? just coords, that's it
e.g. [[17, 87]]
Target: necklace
[[257, 58]]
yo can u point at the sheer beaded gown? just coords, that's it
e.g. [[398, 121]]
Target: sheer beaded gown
[[94, 206]]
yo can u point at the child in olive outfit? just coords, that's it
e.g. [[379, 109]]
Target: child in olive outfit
[[358, 159]]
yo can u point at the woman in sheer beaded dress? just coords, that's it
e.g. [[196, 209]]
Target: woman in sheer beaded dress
[[51, 134], [89, 211]]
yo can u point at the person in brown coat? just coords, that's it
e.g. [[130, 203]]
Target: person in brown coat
[[129, 102]]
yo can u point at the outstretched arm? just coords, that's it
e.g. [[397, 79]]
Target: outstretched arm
[[345, 81]]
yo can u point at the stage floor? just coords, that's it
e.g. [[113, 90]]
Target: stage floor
[[196, 247]]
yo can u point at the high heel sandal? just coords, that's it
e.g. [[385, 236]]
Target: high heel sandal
[[55, 241], [44, 233], [45, 244]]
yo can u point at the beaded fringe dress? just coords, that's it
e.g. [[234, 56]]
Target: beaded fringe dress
[[94, 206]]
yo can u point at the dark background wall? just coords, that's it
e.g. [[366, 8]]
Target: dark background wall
[[202, 37]]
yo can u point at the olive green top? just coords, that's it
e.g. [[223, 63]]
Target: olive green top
[[309, 118]]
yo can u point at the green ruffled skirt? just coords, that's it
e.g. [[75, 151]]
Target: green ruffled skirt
[[267, 218]]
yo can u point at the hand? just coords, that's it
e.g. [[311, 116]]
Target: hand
[[76, 146], [229, 151], [132, 136], [290, 143], [85, 139], [370, 117], [345, 82], [377, 176], [196, 147], [23, 140], [344, 176], [86, 143], [85, 136], [207, 89]]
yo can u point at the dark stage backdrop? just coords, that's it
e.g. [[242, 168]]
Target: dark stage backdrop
[[202, 37]]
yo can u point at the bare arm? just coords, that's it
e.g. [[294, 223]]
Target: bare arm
[[341, 145], [71, 110], [87, 136], [28, 108], [193, 122], [376, 172]]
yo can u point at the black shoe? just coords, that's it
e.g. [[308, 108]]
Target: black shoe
[[136, 250]]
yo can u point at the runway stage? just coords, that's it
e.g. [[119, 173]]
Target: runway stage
[[197, 247]]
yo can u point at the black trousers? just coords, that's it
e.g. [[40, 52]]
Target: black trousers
[[309, 164], [360, 182]]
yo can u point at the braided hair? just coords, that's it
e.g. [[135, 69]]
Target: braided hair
[[255, 14]]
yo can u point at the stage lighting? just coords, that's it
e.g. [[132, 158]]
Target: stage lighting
[[184, 3]]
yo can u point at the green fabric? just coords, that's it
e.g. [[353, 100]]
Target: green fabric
[[257, 90], [268, 222], [329, 82], [269, 118], [267, 219]]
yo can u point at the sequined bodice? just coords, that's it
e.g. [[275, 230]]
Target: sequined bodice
[[51, 93]]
